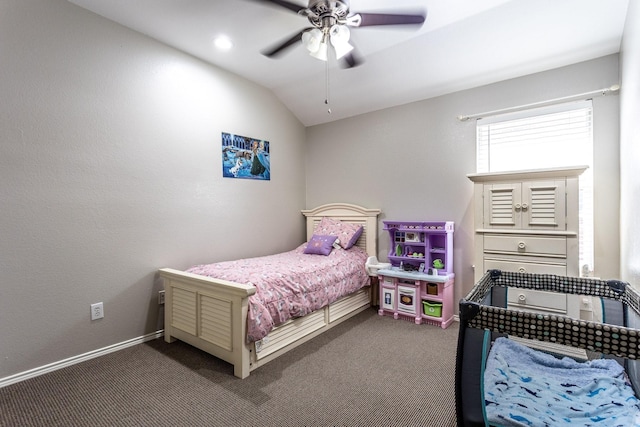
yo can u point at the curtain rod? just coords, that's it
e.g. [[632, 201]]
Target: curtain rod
[[586, 95]]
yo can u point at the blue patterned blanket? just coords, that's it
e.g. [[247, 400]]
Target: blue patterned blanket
[[526, 387]]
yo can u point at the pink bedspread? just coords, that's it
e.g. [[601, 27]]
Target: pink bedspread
[[291, 284]]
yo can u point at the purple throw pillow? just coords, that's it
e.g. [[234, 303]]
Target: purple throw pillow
[[320, 245]]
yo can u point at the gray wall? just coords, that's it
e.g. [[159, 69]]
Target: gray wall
[[630, 147], [110, 167], [411, 161]]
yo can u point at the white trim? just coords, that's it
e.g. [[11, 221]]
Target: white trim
[[12, 379]]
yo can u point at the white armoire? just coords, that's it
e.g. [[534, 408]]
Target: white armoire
[[527, 221]]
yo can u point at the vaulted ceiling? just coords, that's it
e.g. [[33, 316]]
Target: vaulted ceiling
[[462, 44]]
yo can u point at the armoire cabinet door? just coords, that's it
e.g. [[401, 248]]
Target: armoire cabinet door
[[543, 205], [500, 201], [527, 205]]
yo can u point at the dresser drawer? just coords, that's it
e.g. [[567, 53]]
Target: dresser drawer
[[537, 300], [526, 245], [559, 269]]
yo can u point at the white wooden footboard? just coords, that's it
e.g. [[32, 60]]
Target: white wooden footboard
[[211, 314]]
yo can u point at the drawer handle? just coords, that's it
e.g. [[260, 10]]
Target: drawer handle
[[522, 298], [522, 245], [522, 270]]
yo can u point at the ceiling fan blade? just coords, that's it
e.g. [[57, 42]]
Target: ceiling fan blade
[[351, 60], [286, 4], [371, 19], [279, 48]]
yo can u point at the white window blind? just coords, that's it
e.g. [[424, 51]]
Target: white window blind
[[555, 136]]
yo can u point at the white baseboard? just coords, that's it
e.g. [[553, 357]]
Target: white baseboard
[[12, 379]]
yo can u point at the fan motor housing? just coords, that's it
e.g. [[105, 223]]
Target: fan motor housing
[[322, 12]]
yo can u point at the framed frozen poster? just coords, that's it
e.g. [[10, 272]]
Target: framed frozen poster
[[245, 157]]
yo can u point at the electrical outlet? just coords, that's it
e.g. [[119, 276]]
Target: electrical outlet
[[97, 311], [160, 297]]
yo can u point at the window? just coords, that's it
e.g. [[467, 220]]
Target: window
[[556, 136]]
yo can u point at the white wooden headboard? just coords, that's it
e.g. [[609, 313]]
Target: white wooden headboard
[[345, 212]]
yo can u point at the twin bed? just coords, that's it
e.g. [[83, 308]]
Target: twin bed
[[248, 312]]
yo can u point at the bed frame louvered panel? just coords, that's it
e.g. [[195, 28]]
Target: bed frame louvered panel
[[211, 314]]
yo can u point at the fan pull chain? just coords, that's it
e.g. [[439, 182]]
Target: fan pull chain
[[326, 99]]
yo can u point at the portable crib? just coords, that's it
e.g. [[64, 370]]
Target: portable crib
[[484, 318]]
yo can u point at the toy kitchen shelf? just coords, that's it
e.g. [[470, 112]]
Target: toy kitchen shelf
[[421, 246], [416, 296], [419, 285]]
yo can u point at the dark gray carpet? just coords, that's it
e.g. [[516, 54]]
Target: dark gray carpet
[[370, 370]]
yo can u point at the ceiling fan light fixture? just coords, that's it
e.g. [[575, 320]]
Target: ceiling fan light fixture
[[321, 53], [339, 35], [312, 39], [342, 49]]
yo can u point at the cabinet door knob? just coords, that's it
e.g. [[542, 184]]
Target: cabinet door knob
[[525, 206], [522, 270], [518, 206], [522, 298], [522, 245]]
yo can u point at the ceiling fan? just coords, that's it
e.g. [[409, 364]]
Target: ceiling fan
[[330, 22]]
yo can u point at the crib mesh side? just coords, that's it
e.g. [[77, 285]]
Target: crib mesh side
[[469, 378], [484, 308], [471, 355], [598, 337], [633, 366]]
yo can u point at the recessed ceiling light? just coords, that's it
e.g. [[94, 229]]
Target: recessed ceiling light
[[223, 43]]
